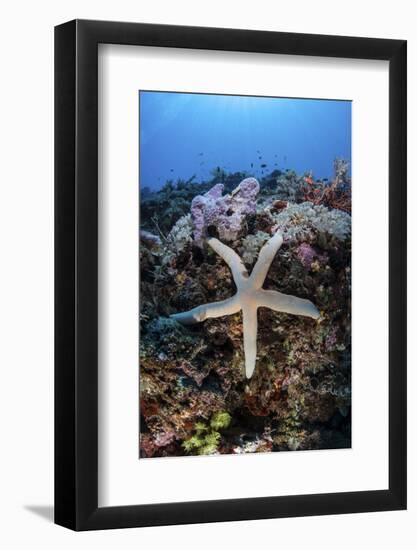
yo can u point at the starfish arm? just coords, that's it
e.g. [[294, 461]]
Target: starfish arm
[[235, 263], [250, 331], [287, 304], [208, 311], [265, 258]]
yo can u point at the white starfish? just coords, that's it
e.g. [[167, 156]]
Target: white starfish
[[249, 296]]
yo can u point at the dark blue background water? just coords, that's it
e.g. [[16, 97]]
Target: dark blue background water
[[186, 134]]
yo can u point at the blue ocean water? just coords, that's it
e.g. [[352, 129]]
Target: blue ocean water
[[184, 135]]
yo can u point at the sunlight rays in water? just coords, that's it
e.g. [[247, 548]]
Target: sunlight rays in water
[[185, 134]]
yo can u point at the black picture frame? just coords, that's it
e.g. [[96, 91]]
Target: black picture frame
[[76, 271]]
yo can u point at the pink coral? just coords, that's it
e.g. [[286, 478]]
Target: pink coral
[[307, 255], [331, 339], [225, 213]]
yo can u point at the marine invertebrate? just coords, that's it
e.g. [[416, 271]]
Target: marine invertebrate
[[249, 297], [181, 234], [337, 194], [289, 187], [308, 256], [251, 246], [298, 221], [189, 375], [207, 438], [168, 340], [225, 213]]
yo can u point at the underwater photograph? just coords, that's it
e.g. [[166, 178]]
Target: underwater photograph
[[245, 274]]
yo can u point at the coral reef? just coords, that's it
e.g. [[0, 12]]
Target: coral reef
[[337, 194], [149, 238], [300, 222], [180, 235], [288, 187], [249, 297], [160, 210], [251, 245], [194, 396], [225, 214], [309, 257], [207, 436]]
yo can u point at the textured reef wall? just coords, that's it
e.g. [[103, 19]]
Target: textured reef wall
[[194, 396]]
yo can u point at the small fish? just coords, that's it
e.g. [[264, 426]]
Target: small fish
[[200, 154], [251, 164], [263, 165], [260, 158], [171, 170]]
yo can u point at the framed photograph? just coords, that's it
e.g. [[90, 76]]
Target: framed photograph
[[230, 275]]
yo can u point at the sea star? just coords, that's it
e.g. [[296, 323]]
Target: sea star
[[249, 296]]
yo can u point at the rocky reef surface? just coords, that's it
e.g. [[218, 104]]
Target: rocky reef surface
[[194, 396]]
